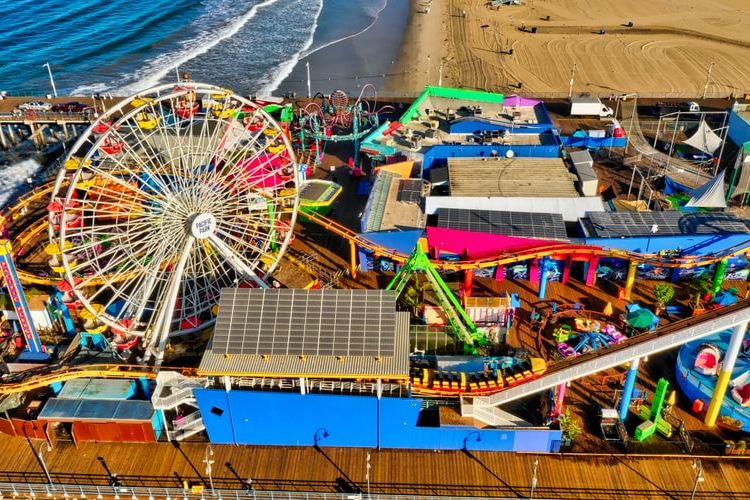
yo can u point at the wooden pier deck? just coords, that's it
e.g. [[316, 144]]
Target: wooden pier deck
[[460, 473]]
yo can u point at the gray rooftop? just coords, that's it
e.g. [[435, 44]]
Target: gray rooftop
[[628, 224], [324, 333], [71, 410], [518, 224]]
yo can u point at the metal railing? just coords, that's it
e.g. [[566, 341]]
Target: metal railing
[[67, 491]]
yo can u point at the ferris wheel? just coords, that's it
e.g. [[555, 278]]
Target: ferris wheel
[[168, 197]]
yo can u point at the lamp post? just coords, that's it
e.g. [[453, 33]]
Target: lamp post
[[533, 477], [572, 78], [209, 462], [654, 229], [478, 439], [51, 80], [708, 80], [698, 466], [40, 454], [367, 474], [319, 434]]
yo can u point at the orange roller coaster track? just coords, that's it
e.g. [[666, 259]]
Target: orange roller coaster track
[[562, 249]]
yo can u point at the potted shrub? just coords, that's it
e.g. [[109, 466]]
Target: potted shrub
[[663, 293], [571, 428]]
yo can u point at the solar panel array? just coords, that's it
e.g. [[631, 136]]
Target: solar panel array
[[306, 322], [410, 190], [522, 224], [616, 224]]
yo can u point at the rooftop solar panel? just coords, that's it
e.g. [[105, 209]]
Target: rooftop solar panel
[[306, 322], [629, 224], [410, 190], [520, 224]]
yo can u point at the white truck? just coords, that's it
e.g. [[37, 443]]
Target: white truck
[[589, 106]]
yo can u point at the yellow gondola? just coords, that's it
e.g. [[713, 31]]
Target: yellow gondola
[[275, 148], [147, 121], [139, 101], [74, 162]]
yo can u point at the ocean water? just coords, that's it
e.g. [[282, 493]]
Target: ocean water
[[124, 46]]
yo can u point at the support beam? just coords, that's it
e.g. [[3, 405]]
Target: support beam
[[721, 269], [353, 259], [534, 270], [627, 390], [722, 382], [559, 400], [543, 279], [630, 279], [593, 263], [567, 264], [468, 282]]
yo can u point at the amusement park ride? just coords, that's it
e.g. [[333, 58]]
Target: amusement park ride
[[335, 118], [183, 190]]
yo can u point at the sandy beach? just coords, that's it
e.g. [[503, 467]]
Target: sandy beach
[[667, 51]]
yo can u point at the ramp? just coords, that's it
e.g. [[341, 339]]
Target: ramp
[[673, 335], [650, 158]]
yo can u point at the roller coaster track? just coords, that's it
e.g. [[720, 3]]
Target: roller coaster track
[[84, 371], [562, 249], [670, 336]]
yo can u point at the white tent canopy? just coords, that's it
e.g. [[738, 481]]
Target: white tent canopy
[[704, 139], [709, 195]]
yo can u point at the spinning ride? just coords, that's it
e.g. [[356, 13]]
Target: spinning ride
[[335, 118], [153, 228]]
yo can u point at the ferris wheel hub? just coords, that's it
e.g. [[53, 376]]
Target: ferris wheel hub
[[202, 225]]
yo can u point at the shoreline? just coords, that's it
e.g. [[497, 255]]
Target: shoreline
[[349, 64], [423, 49]]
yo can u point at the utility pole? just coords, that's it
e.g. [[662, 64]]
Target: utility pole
[[428, 69], [572, 78], [440, 73], [708, 80], [309, 93], [367, 475]]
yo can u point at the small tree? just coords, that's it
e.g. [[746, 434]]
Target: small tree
[[701, 285], [570, 426], [663, 293]]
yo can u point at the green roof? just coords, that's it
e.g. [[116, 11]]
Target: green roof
[[450, 93]]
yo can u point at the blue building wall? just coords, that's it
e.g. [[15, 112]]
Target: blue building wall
[[288, 419], [739, 129], [593, 142], [690, 245], [438, 155]]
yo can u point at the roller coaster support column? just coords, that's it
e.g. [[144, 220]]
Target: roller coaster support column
[[468, 282], [591, 264], [566, 270], [559, 400], [730, 356], [630, 279], [543, 277], [721, 269], [627, 390], [353, 259], [534, 271]]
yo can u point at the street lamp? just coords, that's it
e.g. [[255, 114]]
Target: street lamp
[[209, 462], [478, 438], [367, 474], [533, 477], [698, 466], [40, 454], [51, 80], [319, 434]]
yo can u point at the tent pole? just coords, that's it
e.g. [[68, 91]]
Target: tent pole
[[671, 144], [724, 141]]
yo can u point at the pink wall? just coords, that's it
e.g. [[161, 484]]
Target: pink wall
[[480, 244]]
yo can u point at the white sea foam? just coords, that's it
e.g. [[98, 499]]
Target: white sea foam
[[271, 84], [12, 177]]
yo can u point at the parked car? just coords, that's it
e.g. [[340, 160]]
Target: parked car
[[70, 107], [35, 106]]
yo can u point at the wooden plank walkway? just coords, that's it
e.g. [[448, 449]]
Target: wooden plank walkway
[[480, 474]]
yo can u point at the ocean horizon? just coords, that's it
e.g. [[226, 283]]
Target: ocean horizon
[[250, 46]]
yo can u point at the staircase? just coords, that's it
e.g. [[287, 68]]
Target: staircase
[[188, 426], [173, 390]]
